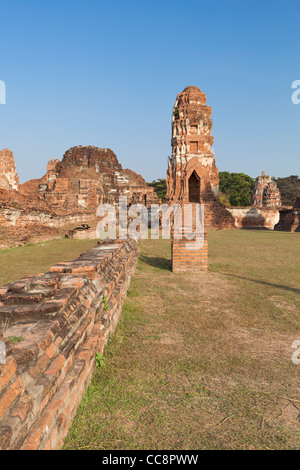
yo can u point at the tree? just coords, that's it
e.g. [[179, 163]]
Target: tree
[[238, 187], [160, 187], [289, 188]]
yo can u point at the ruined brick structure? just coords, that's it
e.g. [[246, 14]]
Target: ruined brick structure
[[193, 179], [266, 193], [290, 218], [265, 205], [66, 196], [9, 178], [63, 317], [192, 175], [253, 217], [86, 177]]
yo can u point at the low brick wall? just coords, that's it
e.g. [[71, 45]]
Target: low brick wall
[[254, 217], [61, 319]]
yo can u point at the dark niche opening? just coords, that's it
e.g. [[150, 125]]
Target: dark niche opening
[[194, 188]]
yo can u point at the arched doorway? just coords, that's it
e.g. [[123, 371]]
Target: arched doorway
[[194, 188]]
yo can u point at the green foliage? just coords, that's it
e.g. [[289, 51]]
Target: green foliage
[[100, 360], [160, 187], [223, 198], [176, 113], [237, 187], [16, 339], [289, 188], [104, 301]]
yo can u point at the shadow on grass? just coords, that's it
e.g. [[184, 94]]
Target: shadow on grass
[[265, 283], [156, 262]]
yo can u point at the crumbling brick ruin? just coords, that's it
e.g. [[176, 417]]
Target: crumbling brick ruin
[[193, 179], [252, 217], [265, 205], [24, 219], [86, 177], [290, 218], [266, 193], [193, 176], [66, 196], [62, 319]]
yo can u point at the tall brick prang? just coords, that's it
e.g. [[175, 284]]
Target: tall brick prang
[[192, 175], [193, 180]]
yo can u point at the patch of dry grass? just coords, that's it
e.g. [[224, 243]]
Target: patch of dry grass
[[34, 259], [202, 361]]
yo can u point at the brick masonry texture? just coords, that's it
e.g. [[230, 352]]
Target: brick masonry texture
[[62, 318]]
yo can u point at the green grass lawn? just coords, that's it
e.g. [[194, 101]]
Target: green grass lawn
[[202, 361], [34, 259]]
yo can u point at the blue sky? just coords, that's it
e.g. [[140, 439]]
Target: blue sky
[[106, 73]]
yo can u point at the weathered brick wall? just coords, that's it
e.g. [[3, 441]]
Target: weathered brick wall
[[20, 226], [27, 219], [290, 218], [254, 217], [62, 318]]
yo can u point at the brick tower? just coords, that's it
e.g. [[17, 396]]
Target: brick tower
[[192, 175], [193, 178]]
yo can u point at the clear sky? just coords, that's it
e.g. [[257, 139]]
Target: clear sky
[[106, 73]]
